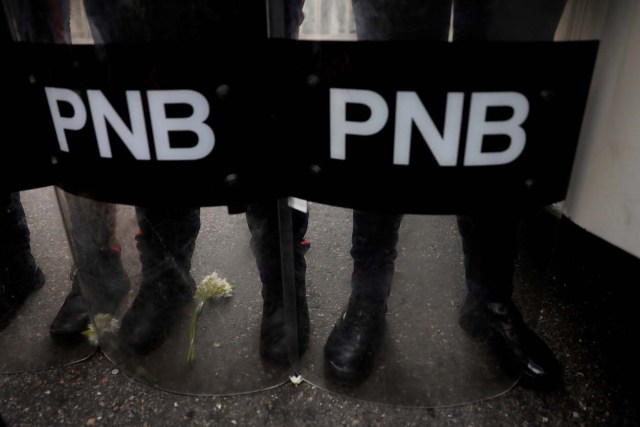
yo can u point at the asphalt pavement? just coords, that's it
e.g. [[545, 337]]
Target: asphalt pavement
[[575, 290]]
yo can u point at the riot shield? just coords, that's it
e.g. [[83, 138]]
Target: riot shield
[[171, 292], [426, 310], [36, 264], [34, 284], [176, 153], [175, 292]]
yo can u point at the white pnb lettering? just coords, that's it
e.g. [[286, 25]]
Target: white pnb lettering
[[135, 138], [445, 145], [409, 110], [102, 112], [340, 127], [75, 122], [410, 113], [162, 125], [479, 127]]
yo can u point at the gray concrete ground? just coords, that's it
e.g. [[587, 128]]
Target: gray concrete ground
[[581, 304]]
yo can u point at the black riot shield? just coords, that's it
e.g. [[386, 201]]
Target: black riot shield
[[172, 292], [175, 292], [185, 139], [35, 260], [465, 108], [36, 269]]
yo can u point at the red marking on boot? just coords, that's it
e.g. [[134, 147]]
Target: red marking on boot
[[116, 248]]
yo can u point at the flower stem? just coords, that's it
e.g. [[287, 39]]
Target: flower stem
[[191, 355]]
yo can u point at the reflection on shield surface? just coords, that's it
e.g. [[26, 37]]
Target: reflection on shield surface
[[173, 173], [425, 358], [181, 307], [25, 340]]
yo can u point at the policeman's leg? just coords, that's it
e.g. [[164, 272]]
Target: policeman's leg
[[402, 19], [507, 20], [166, 243], [99, 281], [489, 245], [354, 341], [489, 242], [262, 219], [356, 337], [19, 274]]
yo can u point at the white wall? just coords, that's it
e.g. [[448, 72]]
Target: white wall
[[604, 193]]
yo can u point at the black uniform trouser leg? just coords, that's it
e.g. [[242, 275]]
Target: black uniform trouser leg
[[166, 243], [263, 222], [489, 244], [373, 249]]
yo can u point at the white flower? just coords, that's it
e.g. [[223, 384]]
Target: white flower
[[106, 323], [103, 323], [212, 286], [296, 380], [91, 334]]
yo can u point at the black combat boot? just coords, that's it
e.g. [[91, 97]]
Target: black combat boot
[[273, 337], [104, 285], [355, 340], [262, 219], [20, 276], [74, 315], [518, 349], [489, 314], [166, 244]]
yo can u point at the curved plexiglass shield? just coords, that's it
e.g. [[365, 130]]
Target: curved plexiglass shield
[[172, 293], [36, 265], [451, 107], [392, 308], [35, 260], [426, 310], [176, 292]]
